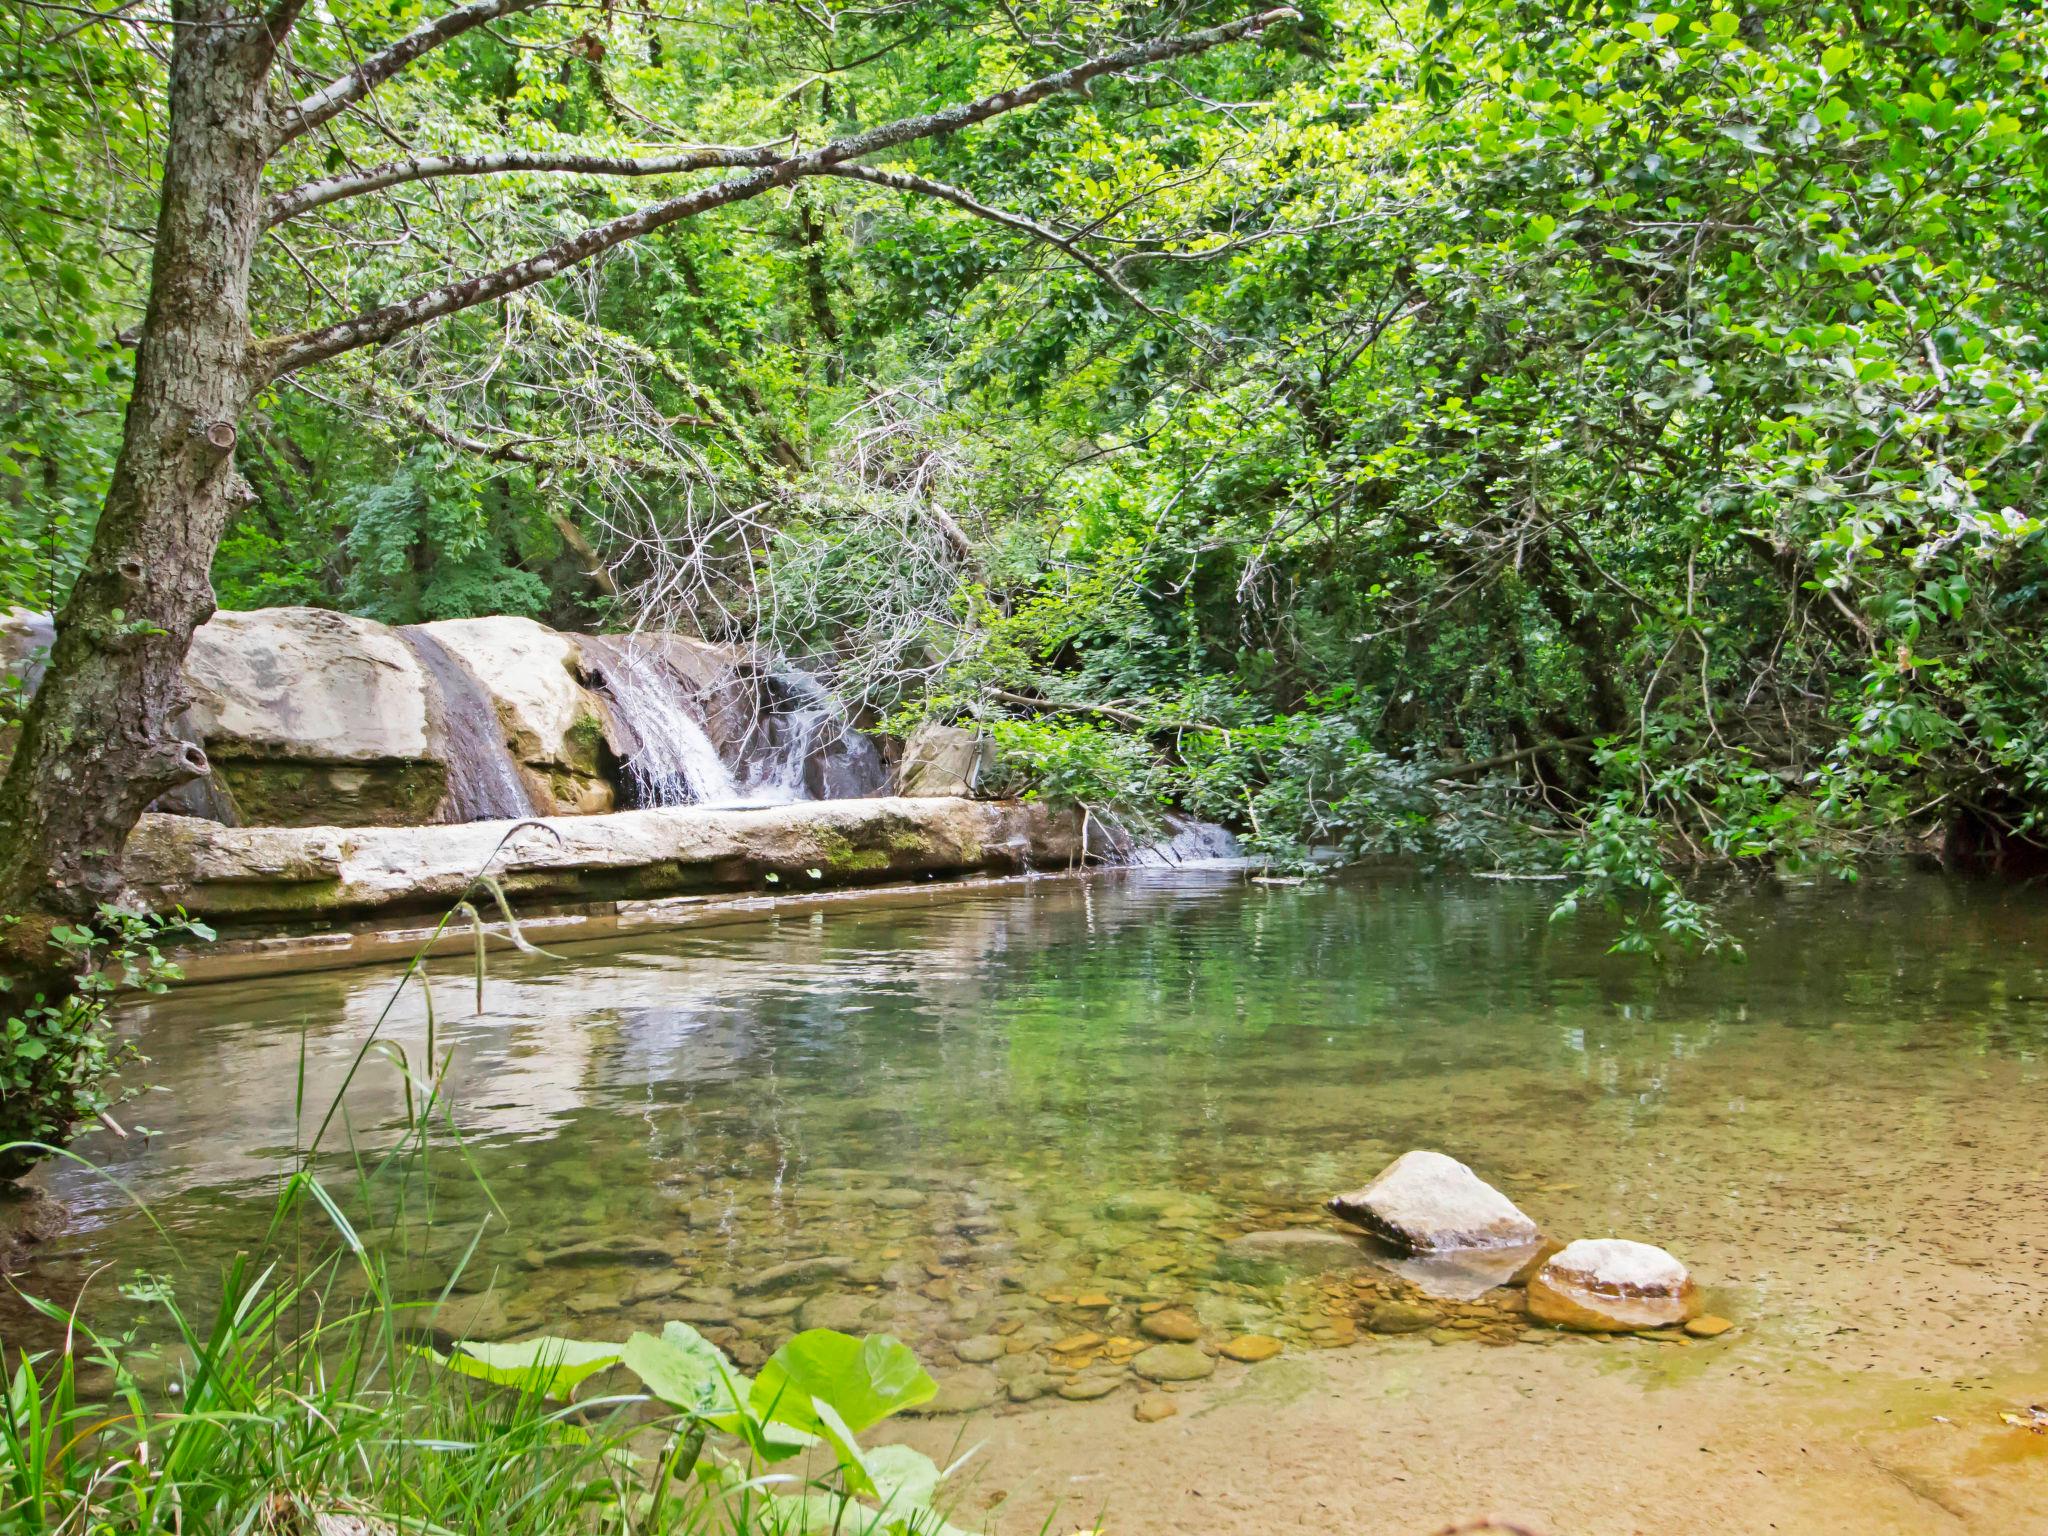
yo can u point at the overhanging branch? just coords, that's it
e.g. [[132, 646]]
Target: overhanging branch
[[332, 189], [283, 355], [313, 110]]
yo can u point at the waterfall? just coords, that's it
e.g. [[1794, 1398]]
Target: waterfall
[[669, 759], [813, 753], [483, 783]]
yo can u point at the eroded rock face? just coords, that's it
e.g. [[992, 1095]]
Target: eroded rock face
[[1425, 1202], [553, 726], [943, 760], [312, 718], [1611, 1285]]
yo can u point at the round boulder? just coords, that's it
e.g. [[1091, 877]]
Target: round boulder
[[1611, 1285]]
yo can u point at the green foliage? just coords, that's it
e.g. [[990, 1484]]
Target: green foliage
[[1646, 402], [58, 1055]]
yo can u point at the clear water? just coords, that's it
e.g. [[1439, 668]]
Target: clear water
[[1004, 1112]]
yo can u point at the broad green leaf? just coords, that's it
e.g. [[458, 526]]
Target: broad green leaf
[[546, 1366], [864, 1380], [682, 1368]]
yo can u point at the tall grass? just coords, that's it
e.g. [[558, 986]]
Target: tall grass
[[302, 1403]]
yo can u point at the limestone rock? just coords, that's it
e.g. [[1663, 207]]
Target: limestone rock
[[312, 718], [1425, 1202], [1154, 1407], [943, 760], [256, 873], [553, 725], [1611, 1285]]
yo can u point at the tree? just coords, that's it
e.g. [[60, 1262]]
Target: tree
[[100, 740]]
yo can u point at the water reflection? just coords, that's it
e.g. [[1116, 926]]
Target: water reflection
[[1094, 1090]]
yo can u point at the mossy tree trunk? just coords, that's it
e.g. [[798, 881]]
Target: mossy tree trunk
[[100, 740]]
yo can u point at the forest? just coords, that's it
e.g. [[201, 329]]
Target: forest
[[1633, 414], [1573, 443]]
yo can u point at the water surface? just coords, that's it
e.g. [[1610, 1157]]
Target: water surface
[[1038, 1112]]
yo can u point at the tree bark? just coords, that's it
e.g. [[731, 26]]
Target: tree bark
[[100, 739]]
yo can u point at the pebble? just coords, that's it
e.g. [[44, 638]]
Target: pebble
[[1079, 1343], [1154, 1406], [967, 1390], [1081, 1389], [1708, 1326], [979, 1350], [1400, 1317], [1251, 1348], [1175, 1326], [1173, 1362]]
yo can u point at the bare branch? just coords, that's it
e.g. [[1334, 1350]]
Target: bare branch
[[316, 194], [285, 354], [923, 187], [311, 111]]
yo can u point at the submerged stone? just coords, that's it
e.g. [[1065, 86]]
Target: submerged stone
[[1425, 1202], [1302, 1248], [792, 1275], [1087, 1388], [1173, 1325], [967, 1390], [1612, 1285], [1401, 1317], [1173, 1362], [1152, 1407], [846, 1314], [1251, 1348]]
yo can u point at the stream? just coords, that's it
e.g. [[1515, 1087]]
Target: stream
[[1013, 1128]]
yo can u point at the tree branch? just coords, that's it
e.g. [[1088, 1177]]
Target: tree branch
[[313, 110], [317, 194], [923, 187], [284, 354]]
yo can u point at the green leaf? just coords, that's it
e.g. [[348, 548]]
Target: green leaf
[[546, 1366], [862, 1380], [682, 1368]]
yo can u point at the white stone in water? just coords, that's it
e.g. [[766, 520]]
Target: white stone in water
[[1610, 1284], [1619, 1266], [1428, 1203]]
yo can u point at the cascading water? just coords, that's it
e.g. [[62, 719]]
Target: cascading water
[[668, 757], [483, 783], [813, 753]]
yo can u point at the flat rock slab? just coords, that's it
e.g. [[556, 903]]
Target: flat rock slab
[[1425, 1202]]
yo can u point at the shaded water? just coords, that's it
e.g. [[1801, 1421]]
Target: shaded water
[[1033, 1114]]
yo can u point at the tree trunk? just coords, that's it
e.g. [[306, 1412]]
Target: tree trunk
[[99, 741]]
